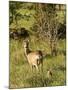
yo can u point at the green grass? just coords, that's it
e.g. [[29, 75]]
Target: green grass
[[20, 73]]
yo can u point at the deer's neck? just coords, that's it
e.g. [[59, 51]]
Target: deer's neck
[[27, 51]]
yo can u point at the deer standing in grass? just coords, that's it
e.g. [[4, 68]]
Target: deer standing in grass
[[35, 58]]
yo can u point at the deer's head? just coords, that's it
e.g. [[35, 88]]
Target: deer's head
[[26, 43]]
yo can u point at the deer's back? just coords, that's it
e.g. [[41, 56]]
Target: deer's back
[[34, 57]]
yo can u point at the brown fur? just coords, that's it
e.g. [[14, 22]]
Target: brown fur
[[35, 58]]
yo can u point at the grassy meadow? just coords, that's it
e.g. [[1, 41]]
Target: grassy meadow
[[20, 73]]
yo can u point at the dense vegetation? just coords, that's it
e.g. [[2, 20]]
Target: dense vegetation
[[45, 27]]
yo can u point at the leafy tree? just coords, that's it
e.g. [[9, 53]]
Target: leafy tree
[[46, 25], [14, 15]]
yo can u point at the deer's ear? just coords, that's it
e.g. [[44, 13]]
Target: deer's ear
[[26, 40]]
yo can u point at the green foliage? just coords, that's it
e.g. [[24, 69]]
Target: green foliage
[[29, 16], [21, 74]]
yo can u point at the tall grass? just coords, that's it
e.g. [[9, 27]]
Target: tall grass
[[20, 73]]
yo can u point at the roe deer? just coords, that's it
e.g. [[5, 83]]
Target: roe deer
[[35, 58]]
